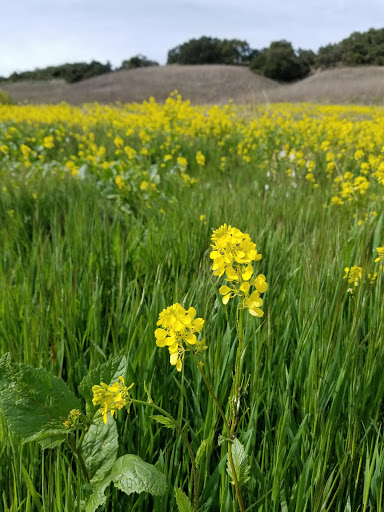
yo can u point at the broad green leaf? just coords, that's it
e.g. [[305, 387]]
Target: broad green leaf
[[53, 435], [33, 400], [98, 497], [200, 451], [166, 422], [49, 441], [131, 474], [240, 462], [108, 372], [182, 500], [100, 447]]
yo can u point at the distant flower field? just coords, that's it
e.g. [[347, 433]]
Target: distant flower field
[[111, 214]]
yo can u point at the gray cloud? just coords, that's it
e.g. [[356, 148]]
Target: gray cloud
[[37, 33]]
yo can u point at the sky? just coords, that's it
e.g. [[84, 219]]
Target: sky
[[39, 33]]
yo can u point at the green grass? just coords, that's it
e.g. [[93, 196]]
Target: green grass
[[81, 282]]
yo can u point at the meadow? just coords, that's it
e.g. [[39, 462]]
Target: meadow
[[106, 216]]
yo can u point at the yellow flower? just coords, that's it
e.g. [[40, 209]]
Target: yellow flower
[[112, 397], [25, 150], [119, 182], [183, 162], [353, 274], [231, 246], [248, 299], [234, 253], [177, 326], [48, 142], [200, 158], [380, 257]]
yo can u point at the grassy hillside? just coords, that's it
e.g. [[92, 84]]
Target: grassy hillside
[[200, 84], [213, 84]]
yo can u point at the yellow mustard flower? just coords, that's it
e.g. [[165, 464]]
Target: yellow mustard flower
[[380, 256], [353, 274], [231, 246], [112, 397], [177, 326], [200, 158]]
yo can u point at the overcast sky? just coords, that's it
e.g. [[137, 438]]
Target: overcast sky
[[38, 33]]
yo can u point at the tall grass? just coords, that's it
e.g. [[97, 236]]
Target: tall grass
[[81, 282]]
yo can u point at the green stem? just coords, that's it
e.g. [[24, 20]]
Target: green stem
[[229, 430], [235, 399], [185, 439], [79, 456]]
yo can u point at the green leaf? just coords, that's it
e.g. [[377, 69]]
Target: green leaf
[[33, 400], [49, 441], [182, 500], [108, 372], [150, 401], [31, 489], [200, 451], [100, 447], [166, 422], [131, 474], [53, 435], [240, 462], [98, 497]]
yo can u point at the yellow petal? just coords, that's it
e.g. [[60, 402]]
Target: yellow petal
[[247, 274], [160, 334], [226, 298], [245, 287], [179, 365], [191, 339], [161, 343], [260, 284], [256, 312], [173, 348], [173, 358], [224, 290], [197, 324], [232, 274]]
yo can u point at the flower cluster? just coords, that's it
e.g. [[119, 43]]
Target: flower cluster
[[177, 326], [231, 247], [233, 254], [111, 397], [72, 419], [380, 256], [354, 275]]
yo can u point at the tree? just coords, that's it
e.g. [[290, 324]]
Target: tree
[[329, 56], [138, 61], [208, 50], [280, 62]]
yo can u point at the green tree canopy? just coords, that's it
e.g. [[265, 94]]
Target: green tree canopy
[[138, 61], [280, 62], [208, 50]]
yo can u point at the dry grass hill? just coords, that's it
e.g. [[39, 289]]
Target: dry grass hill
[[208, 84]]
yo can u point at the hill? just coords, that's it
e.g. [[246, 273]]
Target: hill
[[208, 84], [200, 84], [363, 85]]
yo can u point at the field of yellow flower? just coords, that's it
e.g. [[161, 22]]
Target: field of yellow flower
[[106, 218]]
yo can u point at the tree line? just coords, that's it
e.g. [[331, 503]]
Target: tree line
[[280, 61]]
